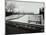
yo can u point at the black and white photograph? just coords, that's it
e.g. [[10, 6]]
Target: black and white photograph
[[24, 17]]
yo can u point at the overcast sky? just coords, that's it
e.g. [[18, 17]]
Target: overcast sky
[[27, 7]]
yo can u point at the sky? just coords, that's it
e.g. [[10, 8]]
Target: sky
[[27, 7]]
